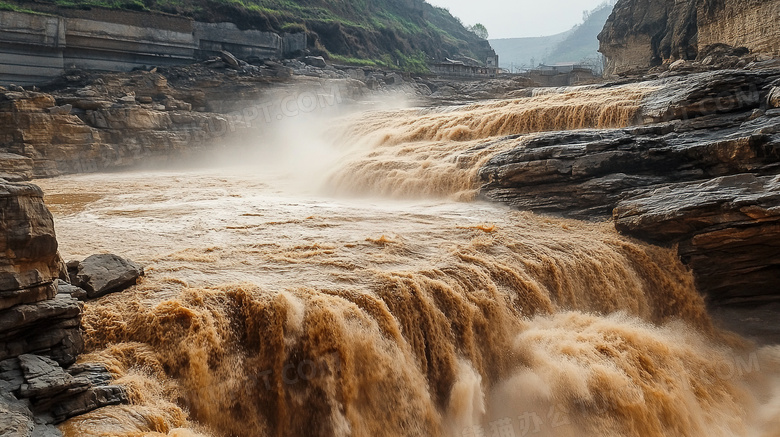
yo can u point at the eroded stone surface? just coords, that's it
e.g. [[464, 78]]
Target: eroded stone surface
[[701, 173], [40, 332], [644, 33], [728, 230], [30, 261]]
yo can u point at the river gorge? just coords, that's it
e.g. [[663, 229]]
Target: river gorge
[[350, 276]]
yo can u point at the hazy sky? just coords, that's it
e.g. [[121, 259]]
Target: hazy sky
[[519, 18]]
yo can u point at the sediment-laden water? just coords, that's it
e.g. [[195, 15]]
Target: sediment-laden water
[[377, 298]]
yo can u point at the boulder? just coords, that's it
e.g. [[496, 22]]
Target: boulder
[[104, 273], [315, 61], [229, 59]]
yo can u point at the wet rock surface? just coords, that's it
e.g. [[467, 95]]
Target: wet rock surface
[[50, 327], [101, 274], [38, 392], [700, 173], [728, 230]]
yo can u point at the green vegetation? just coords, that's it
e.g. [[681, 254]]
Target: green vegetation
[[480, 30], [14, 8], [401, 34], [416, 63]]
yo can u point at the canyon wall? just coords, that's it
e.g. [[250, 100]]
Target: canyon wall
[[40, 325], [754, 24], [36, 48], [42, 136], [644, 33]]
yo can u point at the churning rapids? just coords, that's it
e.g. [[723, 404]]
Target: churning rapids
[[356, 289]]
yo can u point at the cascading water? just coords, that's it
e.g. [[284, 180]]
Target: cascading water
[[268, 313], [422, 153]]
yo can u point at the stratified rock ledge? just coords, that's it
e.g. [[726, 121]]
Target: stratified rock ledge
[[702, 173]]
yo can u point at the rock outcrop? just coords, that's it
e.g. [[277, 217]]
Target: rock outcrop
[[644, 33], [40, 332], [727, 228], [695, 127], [30, 261], [699, 170], [42, 135]]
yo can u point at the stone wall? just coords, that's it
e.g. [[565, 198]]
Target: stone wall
[[214, 37], [30, 47], [37, 48], [560, 79]]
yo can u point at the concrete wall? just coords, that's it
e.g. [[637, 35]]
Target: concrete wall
[[102, 45], [214, 37], [547, 78], [36, 48], [30, 47]]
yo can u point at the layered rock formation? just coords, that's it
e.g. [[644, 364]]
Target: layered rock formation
[[40, 333], [46, 135], [700, 170], [644, 33], [728, 230], [90, 122]]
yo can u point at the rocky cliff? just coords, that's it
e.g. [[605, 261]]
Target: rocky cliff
[[644, 33], [97, 126], [40, 332], [90, 122]]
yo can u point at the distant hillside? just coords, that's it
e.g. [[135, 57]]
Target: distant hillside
[[397, 33], [577, 44], [525, 52]]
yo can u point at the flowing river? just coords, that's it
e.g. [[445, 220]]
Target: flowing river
[[354, 287]]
